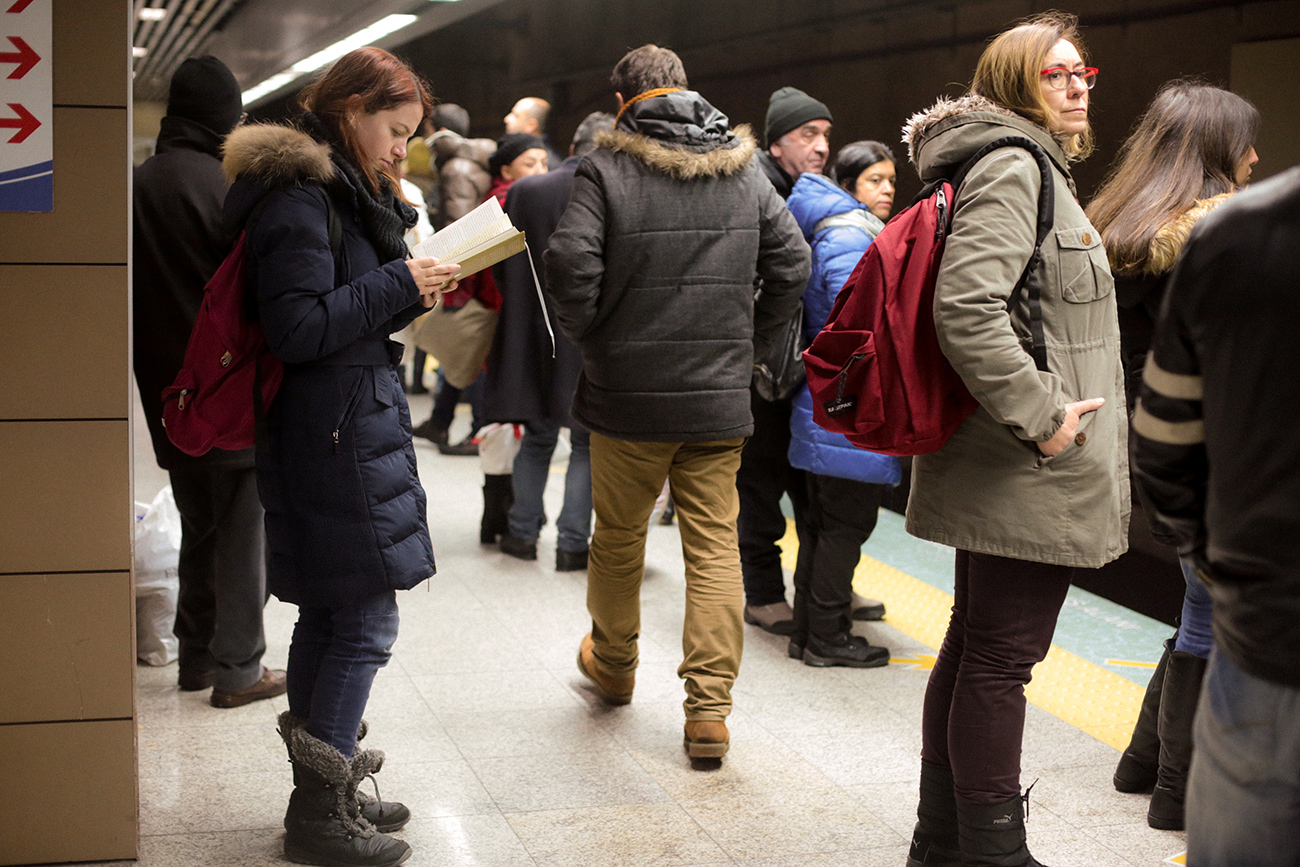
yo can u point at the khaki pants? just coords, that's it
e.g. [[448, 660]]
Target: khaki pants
[[626, 477]]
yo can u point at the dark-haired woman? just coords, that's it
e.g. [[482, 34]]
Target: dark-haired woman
[[1034, 484], [1191, 149], [839, 219], [345, 512]]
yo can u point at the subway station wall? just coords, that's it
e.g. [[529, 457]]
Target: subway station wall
[[67, 713], [873, 62]]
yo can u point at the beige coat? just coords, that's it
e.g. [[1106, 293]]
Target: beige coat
[[990, 490]]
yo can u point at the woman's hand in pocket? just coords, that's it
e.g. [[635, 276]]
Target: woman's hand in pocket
[[1070, 426]]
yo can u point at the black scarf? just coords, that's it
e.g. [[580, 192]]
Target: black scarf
[[384, 217]]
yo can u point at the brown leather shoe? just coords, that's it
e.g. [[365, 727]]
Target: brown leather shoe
[[271, 684], [706, 738], [611, 689]]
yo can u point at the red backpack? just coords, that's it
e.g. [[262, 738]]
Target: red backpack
[[212, 402], [875, 372]]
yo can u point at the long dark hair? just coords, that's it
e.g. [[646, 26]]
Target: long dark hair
[[366, 80], [1185, 147], [855, 158]]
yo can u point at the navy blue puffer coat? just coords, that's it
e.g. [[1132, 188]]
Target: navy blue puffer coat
[[345, 512]]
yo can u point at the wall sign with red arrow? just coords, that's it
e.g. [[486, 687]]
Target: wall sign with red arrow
[[26, 106]]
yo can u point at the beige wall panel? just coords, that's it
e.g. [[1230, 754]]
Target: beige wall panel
[[87, 375], [91, 196], [68, 646], [67, 504], [91, 63], [69, 793]]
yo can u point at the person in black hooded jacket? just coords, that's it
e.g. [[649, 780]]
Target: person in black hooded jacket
[[345, 512], [178, 242]]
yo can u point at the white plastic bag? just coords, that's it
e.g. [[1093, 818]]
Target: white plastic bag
[[497, 446], [157, 555]]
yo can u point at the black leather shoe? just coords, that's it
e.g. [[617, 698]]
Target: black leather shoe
[[867, 609], [465, 447], [570, 561], [521, 549], [850, 651], [190, 680], [430, 431], [794, 649]]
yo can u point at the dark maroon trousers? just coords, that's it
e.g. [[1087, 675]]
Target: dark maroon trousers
[[1003, 616]]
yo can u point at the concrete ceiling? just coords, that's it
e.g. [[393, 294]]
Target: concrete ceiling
[[259, 38]]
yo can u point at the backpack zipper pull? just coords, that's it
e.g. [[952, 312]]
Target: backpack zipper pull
[[941, 202], [336, 441]]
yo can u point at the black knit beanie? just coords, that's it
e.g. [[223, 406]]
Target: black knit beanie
[[790, 108], [509, 147], [204, 90]]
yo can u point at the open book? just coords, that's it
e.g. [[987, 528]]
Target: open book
[[476, 241]]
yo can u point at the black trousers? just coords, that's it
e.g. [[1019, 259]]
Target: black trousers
[[1003, 616], [765, 474], [838, 518], [222, 575]]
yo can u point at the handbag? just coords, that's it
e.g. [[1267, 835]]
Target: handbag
[[459, 338], [779, 373]]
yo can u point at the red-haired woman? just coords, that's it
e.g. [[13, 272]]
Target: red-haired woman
[[345, 512]]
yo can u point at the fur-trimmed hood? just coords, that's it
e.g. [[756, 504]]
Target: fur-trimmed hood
[[924, 127], [681, 135], [1167, 246], [276, 154]]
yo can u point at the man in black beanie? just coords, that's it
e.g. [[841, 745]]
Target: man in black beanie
[[797, 133], [179, 242]]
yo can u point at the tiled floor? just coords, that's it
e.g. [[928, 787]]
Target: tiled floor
[[506, 760]]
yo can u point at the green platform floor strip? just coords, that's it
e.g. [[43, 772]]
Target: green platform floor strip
[[1096, 672]]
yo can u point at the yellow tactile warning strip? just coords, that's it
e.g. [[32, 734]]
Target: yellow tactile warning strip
[[1088, 697]]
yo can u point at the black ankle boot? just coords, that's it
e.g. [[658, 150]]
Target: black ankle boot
[[851, 651], [993, 835], [934, 842], [1136, 771], [498, 497], [1182, 690], [323, 824]]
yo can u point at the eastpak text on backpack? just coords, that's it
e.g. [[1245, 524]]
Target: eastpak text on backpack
[[875, 372], [211, 404]]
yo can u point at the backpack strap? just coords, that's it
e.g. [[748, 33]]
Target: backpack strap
[[1046, 214]]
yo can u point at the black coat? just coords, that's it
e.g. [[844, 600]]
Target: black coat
[[524, 382], [345, 512], [178, 243], [652, 271]]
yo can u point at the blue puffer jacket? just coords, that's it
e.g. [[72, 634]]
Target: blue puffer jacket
[[345, 512], [836, 248]]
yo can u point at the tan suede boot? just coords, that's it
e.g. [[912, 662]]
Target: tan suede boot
[[612, 689]]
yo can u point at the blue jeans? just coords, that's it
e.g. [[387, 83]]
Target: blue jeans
[[532, 466], [333, 659], [1243, 793], [1195, 630]]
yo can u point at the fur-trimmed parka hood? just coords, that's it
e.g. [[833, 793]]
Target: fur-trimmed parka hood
[[923, 130], [1167, 246], [681, 135], [276, 154]]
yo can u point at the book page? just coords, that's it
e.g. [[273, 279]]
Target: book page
[[469, 231]]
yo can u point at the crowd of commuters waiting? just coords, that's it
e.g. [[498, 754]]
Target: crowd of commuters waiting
[[674, 249]]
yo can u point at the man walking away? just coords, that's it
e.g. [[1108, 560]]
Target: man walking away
[[652, 275], [179, 243]]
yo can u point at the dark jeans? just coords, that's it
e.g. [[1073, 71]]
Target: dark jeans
[[532, 468], [838, 519], [444, 404], [1003, 616], [222, 574], [765, 474], [333, 659]]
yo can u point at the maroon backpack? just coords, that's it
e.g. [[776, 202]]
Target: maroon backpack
[[875, 372], [211, 404]]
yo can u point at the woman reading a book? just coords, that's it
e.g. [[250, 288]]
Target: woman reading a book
[[345, 512]]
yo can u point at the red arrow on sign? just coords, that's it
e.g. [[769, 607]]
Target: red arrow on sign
[[19, 6], [26, 58], [26, 123]]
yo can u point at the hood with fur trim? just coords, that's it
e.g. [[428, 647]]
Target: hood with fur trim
[[681, 135], [275, 154], [924, 127], [1167, 246]]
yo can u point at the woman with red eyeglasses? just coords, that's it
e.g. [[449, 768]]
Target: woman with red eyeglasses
[[1035, 483]]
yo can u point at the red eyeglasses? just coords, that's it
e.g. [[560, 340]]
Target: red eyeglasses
[[1058, 77]]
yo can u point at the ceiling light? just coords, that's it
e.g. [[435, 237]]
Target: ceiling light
[[139, 51], [308, 65], [151, 14]]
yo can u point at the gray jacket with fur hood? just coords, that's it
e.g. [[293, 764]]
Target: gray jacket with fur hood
[[990, 490], [651, 272]]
